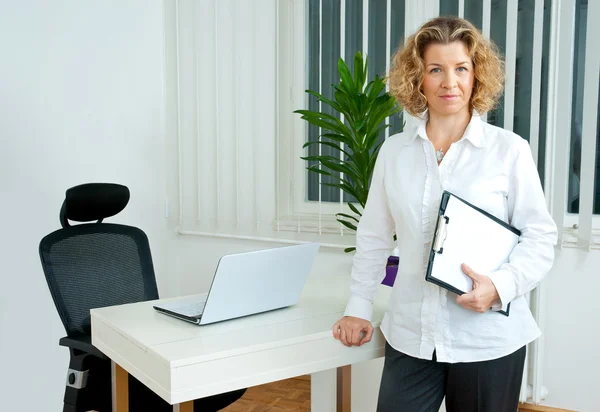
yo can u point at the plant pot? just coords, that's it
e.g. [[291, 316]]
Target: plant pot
[[391, 270]]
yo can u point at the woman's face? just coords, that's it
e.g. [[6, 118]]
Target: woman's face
[[448, 79]]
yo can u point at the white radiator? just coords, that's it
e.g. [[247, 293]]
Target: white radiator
[[532, 389]]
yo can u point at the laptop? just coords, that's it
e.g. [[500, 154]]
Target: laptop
[[248, 283]]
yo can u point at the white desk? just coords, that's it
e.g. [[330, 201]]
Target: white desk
[[181, 362]]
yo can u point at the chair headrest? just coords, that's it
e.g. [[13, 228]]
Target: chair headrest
[[93, 201]]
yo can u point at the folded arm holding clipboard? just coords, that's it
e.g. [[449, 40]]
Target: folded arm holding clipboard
[[465, 234]]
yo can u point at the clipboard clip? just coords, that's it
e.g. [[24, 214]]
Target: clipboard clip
[[441, 233]]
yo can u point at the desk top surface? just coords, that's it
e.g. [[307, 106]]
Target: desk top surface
[[179, 343]]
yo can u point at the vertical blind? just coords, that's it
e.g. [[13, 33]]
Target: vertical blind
[[221, 102], [374, 28]]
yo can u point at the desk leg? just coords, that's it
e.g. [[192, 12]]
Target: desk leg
[[344, 389], [322, 391], [120, 388], [184, 407], [330, 390]]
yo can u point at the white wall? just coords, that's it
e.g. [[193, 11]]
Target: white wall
[[572, 331], [194, 260], [80, 100]]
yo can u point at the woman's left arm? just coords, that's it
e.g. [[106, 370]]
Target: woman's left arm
[[533, 256]]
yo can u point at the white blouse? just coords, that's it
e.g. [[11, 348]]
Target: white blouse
[[489, 167]]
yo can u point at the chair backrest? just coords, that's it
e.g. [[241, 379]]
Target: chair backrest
[[94, 265]]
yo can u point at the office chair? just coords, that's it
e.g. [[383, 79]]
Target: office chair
[[92, 265]]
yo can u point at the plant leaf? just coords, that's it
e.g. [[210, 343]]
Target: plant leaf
[[345, 183], [345, 168], [327, 101], [359, 78], [338, 138], [346, 100], [347, 216], [333, 164], [378, 86], [335, 126], [354, 209], [319, 115], [347, 224], [330, 144], [371, 139], [347, 81], [315, 169], [346, 188], [359, 125], [368, 88], [360, 159], [382, 107], [349, 249], [373, 159], [350, 132], [321, 158]]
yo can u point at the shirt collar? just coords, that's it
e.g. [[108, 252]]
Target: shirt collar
[[473, 133]]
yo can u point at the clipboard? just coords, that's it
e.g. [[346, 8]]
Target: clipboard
[[467, 234]]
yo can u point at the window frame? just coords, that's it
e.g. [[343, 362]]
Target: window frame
[[294, 207], [560, 94]]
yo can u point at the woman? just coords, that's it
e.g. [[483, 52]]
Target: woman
[[440, 344]]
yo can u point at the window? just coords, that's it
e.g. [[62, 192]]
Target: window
[[537, 81], [526, 63], [579, 66], [314, 34], [340, 29], [365, 29], [224, 153]]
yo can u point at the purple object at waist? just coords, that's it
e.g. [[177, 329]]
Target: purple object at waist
[[391, 270]]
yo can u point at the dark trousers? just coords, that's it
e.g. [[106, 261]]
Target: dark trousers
[[417, 385]]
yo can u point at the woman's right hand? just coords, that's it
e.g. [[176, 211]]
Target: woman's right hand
[[349, 330]]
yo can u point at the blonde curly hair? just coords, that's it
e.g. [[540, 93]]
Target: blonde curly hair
[[406, 76]]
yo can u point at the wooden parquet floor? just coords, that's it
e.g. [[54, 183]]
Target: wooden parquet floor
[[290, 395], [293, 395]]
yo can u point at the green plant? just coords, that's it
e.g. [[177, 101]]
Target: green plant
[[354, 140]]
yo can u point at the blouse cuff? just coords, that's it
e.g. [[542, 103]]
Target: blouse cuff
[[505, 285], [359, 308]]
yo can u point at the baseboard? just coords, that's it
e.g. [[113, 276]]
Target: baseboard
[[529, 407], [523, 407]]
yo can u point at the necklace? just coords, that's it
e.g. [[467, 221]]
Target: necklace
[[439, 154]]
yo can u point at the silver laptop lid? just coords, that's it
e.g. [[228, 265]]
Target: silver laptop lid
[[254, 282]]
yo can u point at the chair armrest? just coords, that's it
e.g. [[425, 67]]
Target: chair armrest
[[88, 384], [81, 343]]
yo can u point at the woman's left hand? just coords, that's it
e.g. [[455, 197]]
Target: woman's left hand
[[483, 295]]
